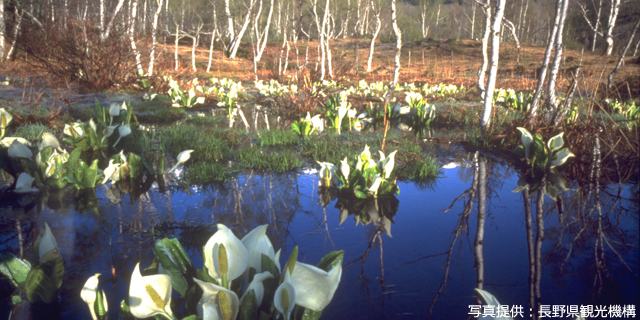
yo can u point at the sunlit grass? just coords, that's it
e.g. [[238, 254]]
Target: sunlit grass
[[277, 138], [277, 160]]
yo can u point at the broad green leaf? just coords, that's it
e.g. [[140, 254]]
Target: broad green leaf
[[556, 142], [249, 307], [176, 263], [330, 260], [271, 284], [14, 268], [44, 280], [135, 165]]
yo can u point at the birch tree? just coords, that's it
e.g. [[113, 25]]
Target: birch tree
[[154, 29], [542, 74], [613, 16], [375, 35], [265, 33], [552, 104], [486, 7], [104, 33], [238, 38], [132, 30], [2, 31], [596, 25], [485, 121], [624, 52], [230, 31]]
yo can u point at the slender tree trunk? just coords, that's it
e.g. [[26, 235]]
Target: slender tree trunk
[[101, 25], [2, 31], [132, 31], [613, 16], [107, 29], [486, 7], [522, 34], [545, 62], [597, 25], [260, 47], [473, 19], [154, 30], [555, 66], [375, 35], [624, 52], [213, 35], [493, 70], [238, 38], [230, 31], [16, 31], [322, 40], [398, 34]]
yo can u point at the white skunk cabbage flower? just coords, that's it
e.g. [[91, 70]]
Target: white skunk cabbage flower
[[489, 299], [150, 295], [6, 142], [228, 264], [285, 297], [182, 158], [257, 286], [17, 149], [123, 131], [49, 140], [257, 243], [74, 130], [217, 302], [314, 287]]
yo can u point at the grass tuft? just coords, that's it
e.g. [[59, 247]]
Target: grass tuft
[[32, 132], [277, 138], [203, 172]]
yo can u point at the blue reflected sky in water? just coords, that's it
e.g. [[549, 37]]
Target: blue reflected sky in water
[[120, 235]]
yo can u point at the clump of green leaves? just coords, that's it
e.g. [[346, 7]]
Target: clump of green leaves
[[364, 178]]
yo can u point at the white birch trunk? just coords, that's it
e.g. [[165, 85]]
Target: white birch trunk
[[132, 30], [555, 65], [322, 41], [238, 38], [260, 46], [375, 35], [545, 62], [2, 31], [213, 35], [398, 33], [230, 31], [16, 31], [154, 29], [105, 32], [613, 16], [624, 52], [485, 120], [486, 6]]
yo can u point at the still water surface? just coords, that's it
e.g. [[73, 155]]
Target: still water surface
[[466, 230]]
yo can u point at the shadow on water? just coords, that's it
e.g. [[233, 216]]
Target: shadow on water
[[532, 244]]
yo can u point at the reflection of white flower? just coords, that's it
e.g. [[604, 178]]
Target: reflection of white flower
[[17, 149], [24, 183], [88, 294]]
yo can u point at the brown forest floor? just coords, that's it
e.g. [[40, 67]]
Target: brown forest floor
[[450, 62]]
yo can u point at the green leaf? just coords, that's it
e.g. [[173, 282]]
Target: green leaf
[[249, 307], [191, 298], [330, 260], [134, 165], [98, 305], [176, 263], [271, 284], [44, 280], [14, 268], [15, 300], [125, 311]]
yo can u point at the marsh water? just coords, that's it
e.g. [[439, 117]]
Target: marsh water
[[420, 255]]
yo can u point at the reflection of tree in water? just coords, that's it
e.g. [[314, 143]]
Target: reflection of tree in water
[[598, 230], [122, 234]]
